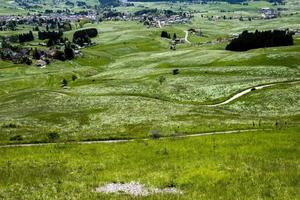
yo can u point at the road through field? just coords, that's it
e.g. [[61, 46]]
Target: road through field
[[186, 37], [246, 91], [131, 140]]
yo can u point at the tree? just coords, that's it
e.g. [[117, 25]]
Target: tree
[[109, 3], [52, 136], [64, 82], [69, 52], [165, 34], [12, 25], [83, 36], [174, 36], [74, 77], [35, 54], [26, 37], [175, 71]]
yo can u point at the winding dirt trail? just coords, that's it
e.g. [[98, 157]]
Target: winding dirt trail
[[131, 140], [186, 37], [246, 91], [236, 96], [159, 24]]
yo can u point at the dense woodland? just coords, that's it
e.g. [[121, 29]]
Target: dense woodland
[[248, 40]]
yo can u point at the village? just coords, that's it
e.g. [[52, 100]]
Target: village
[[61, 21]]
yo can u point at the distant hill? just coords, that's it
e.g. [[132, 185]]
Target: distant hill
[[229, 1]]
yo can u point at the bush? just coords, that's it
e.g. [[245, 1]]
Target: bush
[[16, 138], [175, 71], [52, 136], [74, 77], [69, 52], [155, 134], [64, 83], [165, 34], [161, 79], [10, 125]]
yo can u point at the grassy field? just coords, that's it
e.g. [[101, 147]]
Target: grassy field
[[118, 93], [125, 88], [259, 165]]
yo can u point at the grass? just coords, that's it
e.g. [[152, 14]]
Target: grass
[[260, 165], [118, 94]]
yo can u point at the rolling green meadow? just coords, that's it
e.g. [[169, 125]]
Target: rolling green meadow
[[125, 88]]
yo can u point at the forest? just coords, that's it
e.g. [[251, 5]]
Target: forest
[[248, 40]]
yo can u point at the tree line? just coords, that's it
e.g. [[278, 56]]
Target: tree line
[[84, 36], [253, 40], [26, 37], [43, 35]]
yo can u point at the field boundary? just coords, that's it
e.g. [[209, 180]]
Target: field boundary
[[132, 140]]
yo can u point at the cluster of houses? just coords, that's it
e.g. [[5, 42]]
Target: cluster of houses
[[269, 13], [42, 56], [37, 19], [164, 20]]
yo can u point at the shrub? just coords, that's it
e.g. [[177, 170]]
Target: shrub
[[69, 52], [10, 125], [16, 138], [52, 136], [175, 71], [165, 34], [155, 134], [74, 77], [64, 83], [161, 79]]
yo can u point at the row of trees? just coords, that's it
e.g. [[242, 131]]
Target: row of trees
[[109, 3], [26, 37], [248, 40], [43, 35], [83, 36], [165, 34]]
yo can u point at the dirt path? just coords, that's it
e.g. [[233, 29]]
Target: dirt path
[[246, 91], [186, 37], [159, 24], [131, 140]]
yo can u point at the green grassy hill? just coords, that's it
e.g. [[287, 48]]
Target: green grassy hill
[[126, 89]]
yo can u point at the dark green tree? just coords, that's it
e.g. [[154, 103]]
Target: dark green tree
[[174, 36], [69, 51], [109, 3]]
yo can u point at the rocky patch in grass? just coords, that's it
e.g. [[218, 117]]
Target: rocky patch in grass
[[135, 189]]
